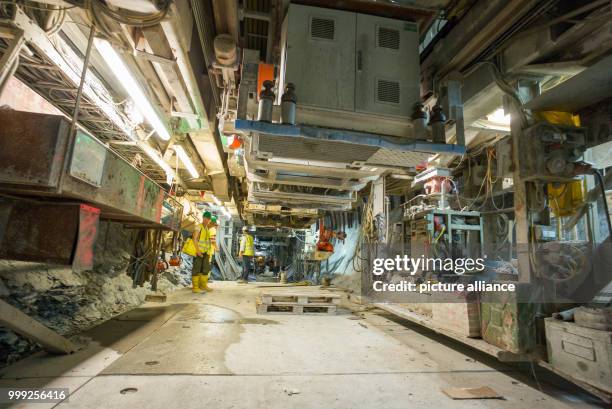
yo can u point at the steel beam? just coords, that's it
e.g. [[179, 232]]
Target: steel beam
[[10, 58], [39, 157], [205, 139], [521, 205], [22, 324], [590, 86], [356, 138], [36, 36]]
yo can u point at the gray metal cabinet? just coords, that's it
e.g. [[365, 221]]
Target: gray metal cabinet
[[356, 63], [387, 67], [319, 56]]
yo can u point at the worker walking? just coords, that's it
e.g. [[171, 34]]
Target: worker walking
[[203, 250], [213, 248], [247, 251]]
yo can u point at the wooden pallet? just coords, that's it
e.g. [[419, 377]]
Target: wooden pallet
[[300, 298], [295, 308]]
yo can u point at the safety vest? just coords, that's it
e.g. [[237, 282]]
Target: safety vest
[[213, 238], [249, 245], [204, 240]]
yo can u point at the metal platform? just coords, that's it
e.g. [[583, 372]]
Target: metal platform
[[40, 159], [341, 146]]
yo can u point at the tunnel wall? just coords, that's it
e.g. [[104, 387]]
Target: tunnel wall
[[68, 301], [342, 266]]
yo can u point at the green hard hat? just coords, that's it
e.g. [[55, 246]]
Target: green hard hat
[[213, 219], [206, 215]]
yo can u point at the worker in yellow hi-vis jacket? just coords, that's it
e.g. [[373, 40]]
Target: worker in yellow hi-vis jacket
[[203, 250], [213, 248], [247, 251]]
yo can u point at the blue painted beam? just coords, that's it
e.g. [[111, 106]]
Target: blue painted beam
[[358, 138]]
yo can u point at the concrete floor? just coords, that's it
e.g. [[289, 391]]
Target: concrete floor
[[213, 351]]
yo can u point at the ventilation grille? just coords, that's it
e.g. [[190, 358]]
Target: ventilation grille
[[322, 29], [388, 38], [388, 91], [313, 149]]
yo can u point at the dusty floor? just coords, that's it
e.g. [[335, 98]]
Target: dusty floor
[[214, 351]]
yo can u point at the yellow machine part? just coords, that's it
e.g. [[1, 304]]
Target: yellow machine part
[[558, 117], [565, 198]]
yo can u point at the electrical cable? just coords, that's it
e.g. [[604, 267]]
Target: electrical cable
[[128, 17]]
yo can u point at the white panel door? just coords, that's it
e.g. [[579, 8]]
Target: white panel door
[[387, 66], [320, 56]]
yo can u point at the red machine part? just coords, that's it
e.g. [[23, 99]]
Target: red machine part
[[325, 235], [175, 261], [438, 184]]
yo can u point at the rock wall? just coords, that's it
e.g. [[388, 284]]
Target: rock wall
[[68, 301], [343, 265]]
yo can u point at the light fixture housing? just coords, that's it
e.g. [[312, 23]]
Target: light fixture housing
[[131, 87], [180, 152]]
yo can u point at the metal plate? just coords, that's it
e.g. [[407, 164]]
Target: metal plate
[[88, 158], [32, 148], [83, 258], [44, 232]]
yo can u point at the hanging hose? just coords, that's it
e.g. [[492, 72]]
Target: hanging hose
[[128, 17], [602, 186]]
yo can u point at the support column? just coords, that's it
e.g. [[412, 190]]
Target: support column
[[521, 212], [527, 90]]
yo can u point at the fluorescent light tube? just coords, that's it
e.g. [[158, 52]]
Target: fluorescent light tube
[[153, 154], [180, 151], [217, 201], [131, 87]]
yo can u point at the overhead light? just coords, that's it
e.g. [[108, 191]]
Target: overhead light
[[180, 151], [217, 201], [499, 117], [153, 154], [131, 87]]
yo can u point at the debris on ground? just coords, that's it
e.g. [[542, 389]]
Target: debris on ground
[[156, 297], [291, 392], [482, 392]]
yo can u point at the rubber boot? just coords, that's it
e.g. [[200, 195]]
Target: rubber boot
[[195, 284], [202, 280], [206, 287]]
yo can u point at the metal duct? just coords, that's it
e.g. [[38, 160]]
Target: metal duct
[[203, 13]]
